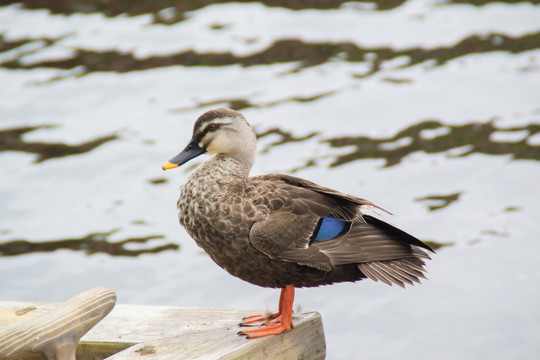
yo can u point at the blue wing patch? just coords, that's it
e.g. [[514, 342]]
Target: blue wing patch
[[329, 228]]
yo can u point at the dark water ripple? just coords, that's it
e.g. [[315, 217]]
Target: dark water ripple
[[487, 2], [12, 140], [173, 11], [239, 104], [306, 54], [285, 137], [91, 244], [437, 202], [472, 138]]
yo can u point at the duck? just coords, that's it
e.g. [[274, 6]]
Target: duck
[[281, 231]]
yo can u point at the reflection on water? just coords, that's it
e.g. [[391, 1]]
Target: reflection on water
[[157, 181], [306, 54], [12, 140], [173, 11], [433, 136], [91, 244], [486, 2], [436, 245], [285, 137], [436, 202], [240, 104]]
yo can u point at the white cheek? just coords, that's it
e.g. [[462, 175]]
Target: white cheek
[[220, 144]]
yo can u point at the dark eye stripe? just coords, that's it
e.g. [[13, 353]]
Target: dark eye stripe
[[209, 128]]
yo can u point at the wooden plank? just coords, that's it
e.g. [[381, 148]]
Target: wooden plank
[[56, 333], [213, 335], [162, 332]]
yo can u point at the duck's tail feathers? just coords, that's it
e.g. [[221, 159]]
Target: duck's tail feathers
[[399, 272]]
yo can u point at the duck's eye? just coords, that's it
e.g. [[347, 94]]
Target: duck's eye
[[212, 127]]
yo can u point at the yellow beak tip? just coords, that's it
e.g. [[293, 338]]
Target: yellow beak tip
[[169, 165]]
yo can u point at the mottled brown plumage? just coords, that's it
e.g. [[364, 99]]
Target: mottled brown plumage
[[263, 229]]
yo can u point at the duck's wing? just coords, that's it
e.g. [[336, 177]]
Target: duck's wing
[[381, 251], [292, 214], [323, 228], [352, 203]]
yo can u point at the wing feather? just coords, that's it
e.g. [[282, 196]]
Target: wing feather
[[397, 272]]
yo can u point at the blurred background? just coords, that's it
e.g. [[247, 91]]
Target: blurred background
[[429, 108]]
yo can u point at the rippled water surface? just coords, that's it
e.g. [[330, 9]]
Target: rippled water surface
[[428, 108]]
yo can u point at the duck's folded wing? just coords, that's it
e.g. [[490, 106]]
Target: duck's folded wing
[[286, 232], [349, 203], [279, 239], [293, 232], [371, 241], [380, 251]]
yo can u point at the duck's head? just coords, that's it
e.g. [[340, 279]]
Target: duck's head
[[219, 131]]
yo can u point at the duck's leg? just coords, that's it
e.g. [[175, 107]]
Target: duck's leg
[[275, 323], [257, 320]]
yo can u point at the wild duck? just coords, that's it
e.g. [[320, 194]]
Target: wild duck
[[281, 231]]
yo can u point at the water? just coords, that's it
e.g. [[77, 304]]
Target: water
[[428, 108]]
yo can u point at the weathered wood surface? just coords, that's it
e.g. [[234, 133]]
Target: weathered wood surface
[[53, 334], [161, 332]]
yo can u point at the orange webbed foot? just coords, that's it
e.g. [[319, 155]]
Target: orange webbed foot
[[273, 324], [266, 330], [258, 320]]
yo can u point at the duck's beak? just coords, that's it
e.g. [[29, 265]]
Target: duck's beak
[[191, 151]]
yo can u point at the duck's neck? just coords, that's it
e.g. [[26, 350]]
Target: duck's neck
[[226, 168], [244, 152]]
